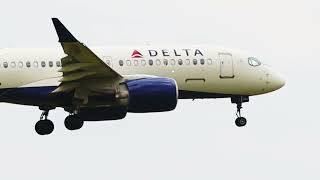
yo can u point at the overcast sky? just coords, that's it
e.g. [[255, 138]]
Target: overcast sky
[[199, 139]]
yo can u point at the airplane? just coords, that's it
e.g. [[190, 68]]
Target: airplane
[[106, 83]]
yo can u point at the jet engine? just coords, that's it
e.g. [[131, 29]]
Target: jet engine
[[137, 96], [152, 95]]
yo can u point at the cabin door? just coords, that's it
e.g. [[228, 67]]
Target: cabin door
[[226, 65]]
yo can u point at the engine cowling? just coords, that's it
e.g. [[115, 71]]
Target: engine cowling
[[152, 95]]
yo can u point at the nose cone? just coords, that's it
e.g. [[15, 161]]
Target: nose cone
[[275, 82]]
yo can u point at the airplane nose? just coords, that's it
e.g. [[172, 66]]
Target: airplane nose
[[279, 82], [276, 82]]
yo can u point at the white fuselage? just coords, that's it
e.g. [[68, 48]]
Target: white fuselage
[[202, 69]]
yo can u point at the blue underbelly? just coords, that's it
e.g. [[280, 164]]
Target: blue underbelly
[[42, 95]]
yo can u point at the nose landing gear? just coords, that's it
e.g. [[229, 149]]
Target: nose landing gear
[[240, 121]]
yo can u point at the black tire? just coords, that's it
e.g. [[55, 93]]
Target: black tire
[[44, 127], [241, 121], [73, 122]]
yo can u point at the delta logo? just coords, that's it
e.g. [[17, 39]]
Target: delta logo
[[166, 53], [136, 54]]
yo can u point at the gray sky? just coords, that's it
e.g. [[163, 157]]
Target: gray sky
[[199, 139]]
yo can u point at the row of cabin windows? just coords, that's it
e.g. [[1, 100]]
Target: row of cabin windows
[[165, 62], [29, 64]]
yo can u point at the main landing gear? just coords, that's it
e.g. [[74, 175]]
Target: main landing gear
[[45, 126], [240, 121], [73, 122]]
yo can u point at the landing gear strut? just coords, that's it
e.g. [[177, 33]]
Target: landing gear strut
[[44, 126], [240, 121]]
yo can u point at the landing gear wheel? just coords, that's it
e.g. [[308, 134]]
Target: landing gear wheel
[[241, 121], [73, 122], [44, 127]]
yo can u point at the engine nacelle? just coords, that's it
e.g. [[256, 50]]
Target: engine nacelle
[[152, 95], [137, 96], [102, 113]]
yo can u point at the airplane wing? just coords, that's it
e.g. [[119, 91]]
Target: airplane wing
[[81, 67]]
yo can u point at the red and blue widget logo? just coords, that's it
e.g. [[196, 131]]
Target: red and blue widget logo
[[136, 54]]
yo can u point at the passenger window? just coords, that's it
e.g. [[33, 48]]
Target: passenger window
[[58, 63], [136, 62], [158, 62], [13, 64], [5, 64], [20, 64], [128, 63], [143, 62], [195, 62], [150, 62], [35, 64], [28, 64], [50, 64], [165, 62], [121, 63], [43, 63], [202, 61], [187, 61], [173, 62], [209, 61], [180, 62]]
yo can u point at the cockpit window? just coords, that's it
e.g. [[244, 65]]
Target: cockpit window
[[253, 61]]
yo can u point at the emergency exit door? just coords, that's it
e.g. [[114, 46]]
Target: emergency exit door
[[226, 65]]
